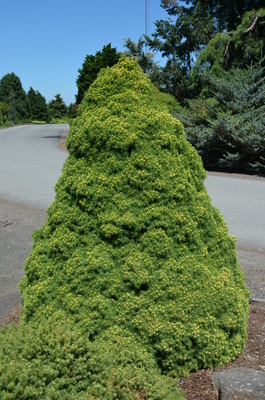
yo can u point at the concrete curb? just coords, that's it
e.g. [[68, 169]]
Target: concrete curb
[[63, 135]]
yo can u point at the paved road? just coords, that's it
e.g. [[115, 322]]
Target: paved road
[[241, 200], [31, 162]]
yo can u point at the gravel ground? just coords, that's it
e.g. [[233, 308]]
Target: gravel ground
[[16, 224]]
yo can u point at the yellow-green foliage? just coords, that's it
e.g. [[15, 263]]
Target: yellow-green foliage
[[38, 122], [132, 238], [165, 99], [51, 360]]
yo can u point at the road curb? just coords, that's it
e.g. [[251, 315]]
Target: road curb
[[63, 135]]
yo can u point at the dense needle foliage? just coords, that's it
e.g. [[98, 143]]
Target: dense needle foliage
[[132, 240], [229, 131], [51, 360]]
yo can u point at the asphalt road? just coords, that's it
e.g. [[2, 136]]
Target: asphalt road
[[31, 162], [241, 200]]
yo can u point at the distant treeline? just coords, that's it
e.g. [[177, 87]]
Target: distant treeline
[[18, 107]]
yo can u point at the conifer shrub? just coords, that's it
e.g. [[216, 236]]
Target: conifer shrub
[[228, 129], [51, 360], [132, 238]]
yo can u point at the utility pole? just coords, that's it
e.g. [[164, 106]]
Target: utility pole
[[147, 21], [147, 28]]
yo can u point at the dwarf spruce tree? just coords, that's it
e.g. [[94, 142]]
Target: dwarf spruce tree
[[132, 239]]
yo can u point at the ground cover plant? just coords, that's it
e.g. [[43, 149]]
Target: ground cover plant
[[51, 360], [133, 245]]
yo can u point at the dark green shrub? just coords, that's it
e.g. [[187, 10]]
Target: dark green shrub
[[51, 360], [132, 238]]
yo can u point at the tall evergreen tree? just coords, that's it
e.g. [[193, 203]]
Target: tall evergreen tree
[[91, 67], [57, 107], [11, 83], [38, 105], [239, 47], [227, 14]]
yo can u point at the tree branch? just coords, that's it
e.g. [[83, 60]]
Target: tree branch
[[252, 26]]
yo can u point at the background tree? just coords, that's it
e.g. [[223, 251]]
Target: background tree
[[91, 67], [199, 23], [230, 131], [72, 110], [38, 106], [12, 108], [1, 118], [57, 107], [180, 41], [237, 48], [227, 14], [144, 59], [11, 83]]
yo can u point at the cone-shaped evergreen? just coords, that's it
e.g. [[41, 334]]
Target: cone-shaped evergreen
[[132, 238]]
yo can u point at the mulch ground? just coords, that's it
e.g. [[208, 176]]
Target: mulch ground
[[198, 385]]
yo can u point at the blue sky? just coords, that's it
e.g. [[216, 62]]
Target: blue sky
[[45, 42]]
